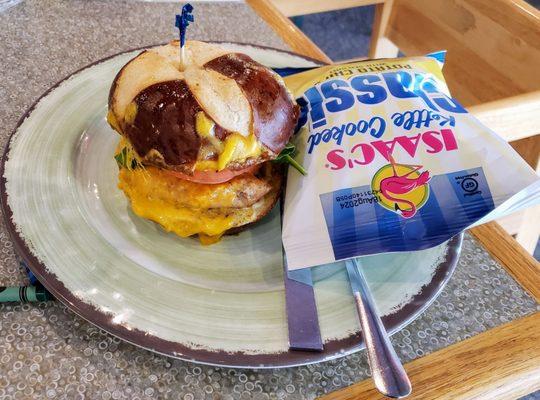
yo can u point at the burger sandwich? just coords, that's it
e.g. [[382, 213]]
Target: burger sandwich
[[198, 141]]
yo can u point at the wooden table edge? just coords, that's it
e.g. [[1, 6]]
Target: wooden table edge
[[500, 363], [503, 347], [511, 255], [288, 31]]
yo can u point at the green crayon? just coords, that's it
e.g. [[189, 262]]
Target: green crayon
[[24, 294]]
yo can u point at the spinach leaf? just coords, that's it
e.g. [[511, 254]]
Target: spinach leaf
[[286, 157]]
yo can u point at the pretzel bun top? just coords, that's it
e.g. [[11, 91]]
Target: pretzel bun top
[[163, 110]]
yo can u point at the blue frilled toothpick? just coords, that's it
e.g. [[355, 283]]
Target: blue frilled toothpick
[[182, 22]]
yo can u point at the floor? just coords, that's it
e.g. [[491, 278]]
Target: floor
[[352, 26]]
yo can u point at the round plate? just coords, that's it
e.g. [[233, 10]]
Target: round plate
[[223, 304]]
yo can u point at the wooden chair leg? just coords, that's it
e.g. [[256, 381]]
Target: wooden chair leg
[[526, 224], [529, 231], [381, 46]]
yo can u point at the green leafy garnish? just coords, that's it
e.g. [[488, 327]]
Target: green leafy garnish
[[125, 160], [121, 158], [286, 157]]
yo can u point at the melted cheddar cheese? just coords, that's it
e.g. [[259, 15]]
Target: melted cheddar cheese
[[152, 196], [113, 122], [238, 148], [234, 148], [205, 128]]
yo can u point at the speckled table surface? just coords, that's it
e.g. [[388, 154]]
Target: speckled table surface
[[47, 351]]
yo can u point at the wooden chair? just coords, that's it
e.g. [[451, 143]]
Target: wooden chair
[[493, 65]]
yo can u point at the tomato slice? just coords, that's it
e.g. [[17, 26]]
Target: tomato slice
[[214, 177]]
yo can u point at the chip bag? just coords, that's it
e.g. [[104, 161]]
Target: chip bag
[[393, 162]]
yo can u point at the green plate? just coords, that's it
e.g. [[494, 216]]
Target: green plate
[[223, 304]]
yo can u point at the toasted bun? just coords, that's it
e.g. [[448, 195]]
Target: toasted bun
[[154, 104]]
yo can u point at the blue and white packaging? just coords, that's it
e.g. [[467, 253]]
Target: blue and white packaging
[[393, 162]]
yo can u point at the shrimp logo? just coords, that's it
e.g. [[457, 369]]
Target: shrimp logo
[[401, 188]]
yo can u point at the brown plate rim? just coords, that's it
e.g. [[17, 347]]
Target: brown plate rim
[[332, 349]]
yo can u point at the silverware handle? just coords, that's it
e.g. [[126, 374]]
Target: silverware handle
[[388, 373]]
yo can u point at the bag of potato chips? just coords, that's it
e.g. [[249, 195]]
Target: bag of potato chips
[[393, 162]]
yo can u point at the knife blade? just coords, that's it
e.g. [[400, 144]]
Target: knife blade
[[302, 318]]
